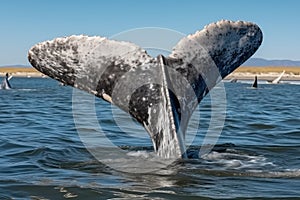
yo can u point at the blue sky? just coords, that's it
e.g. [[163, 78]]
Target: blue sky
[[25, 23]]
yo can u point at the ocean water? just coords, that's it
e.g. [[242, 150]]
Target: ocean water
[[49, 147]]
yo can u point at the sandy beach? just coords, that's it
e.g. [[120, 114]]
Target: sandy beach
[[243, 73], [20, 72]]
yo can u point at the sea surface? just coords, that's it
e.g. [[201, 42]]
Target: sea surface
[[59, 143]]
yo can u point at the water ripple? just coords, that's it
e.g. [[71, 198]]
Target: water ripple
[[42, 156]]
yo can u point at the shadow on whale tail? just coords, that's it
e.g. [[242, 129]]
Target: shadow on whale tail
[[160, 93]]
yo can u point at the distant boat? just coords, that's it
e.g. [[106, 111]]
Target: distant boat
[[254, 85], [277, 80]]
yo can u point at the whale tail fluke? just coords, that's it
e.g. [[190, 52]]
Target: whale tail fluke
[[5, 85], [278, 79], [161, 93], [254, 85]]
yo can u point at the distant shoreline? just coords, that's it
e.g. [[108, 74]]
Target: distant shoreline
[[244, 72], [265, 73], [20, 72]]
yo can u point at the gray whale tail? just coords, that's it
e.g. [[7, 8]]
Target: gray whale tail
[[254, 85], [5, 83], [160, 93]]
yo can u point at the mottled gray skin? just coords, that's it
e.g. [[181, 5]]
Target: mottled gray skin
[[161, 93]]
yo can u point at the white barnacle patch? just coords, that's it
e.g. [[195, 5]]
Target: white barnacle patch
[[151, 86], [107, 97], [94, 92], [111, 76], [123, 77]]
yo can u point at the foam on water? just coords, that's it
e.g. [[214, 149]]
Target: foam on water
[[143, 154], [232, 159]]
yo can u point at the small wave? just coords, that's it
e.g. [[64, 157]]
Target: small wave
[[143, 154], [26, 89], [20, 89], [293, 82], [287, 173], [232, 159], [260, 126]]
